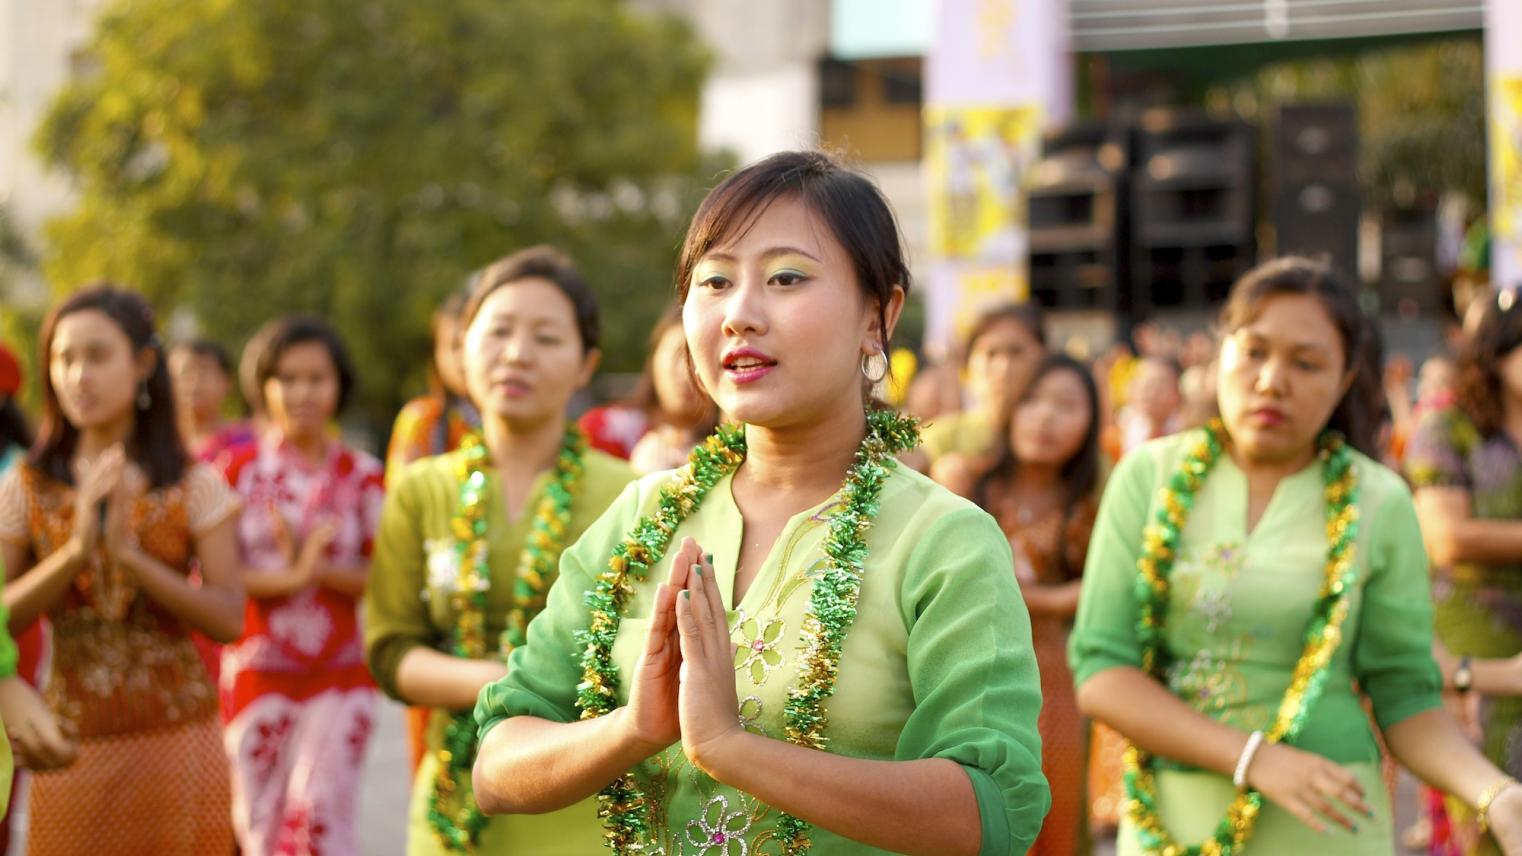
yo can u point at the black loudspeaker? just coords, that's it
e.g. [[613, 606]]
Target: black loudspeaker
[[1317, 200], [1192, 206], [1077, 215], [1409, 283]]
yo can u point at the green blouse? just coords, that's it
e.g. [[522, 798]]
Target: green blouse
[[938, 664], [1241, 600], [414, 569], [407, 605]]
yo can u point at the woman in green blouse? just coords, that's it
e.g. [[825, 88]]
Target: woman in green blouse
[[749, 656], [1246, 581], [468, 543]]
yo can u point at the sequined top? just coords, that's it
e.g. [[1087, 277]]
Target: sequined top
[[937, 665], [121, 663], [1240, 600]]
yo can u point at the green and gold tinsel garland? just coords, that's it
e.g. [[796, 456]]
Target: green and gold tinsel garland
[[832, 604], [1160, 546], [452, 811]]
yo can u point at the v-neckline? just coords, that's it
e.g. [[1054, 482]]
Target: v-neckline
[[1240, 492], [497, 509], [726, 559]]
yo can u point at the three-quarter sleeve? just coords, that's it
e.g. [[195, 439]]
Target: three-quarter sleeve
[[1104, 631], [543, 674], [396, 618], [1392, 651], [977, 694], [1435, 454]]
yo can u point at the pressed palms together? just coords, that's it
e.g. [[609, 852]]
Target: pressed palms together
[[683, 688]]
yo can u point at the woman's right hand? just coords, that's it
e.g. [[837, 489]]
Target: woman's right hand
[[1312, 788], [97, 482], [310, 559], [652, 709], [37, 740]]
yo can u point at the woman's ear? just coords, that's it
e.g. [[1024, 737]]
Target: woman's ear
[[877, 338], [147, 361], [589, 364], [1348, 377]]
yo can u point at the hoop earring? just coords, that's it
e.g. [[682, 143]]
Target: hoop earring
[[867, 364], [144, 399]]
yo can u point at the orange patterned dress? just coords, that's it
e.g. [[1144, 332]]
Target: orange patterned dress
[[151, 777], [1051, 549]]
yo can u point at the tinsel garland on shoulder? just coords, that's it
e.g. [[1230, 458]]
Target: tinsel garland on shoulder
[[452, 811], [1322, 637], [832, 604]]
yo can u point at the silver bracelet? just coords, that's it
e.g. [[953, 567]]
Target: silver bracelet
[[1254, 743]]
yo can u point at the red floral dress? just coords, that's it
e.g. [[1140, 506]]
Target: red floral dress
[[297, 699]]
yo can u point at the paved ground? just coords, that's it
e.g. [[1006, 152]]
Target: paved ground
[[383, 796]]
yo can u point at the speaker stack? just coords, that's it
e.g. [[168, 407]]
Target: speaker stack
[[1409, 282], [1077, 216], [1317, 199], [1192, 196]]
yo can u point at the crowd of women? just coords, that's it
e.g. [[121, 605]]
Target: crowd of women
[[1181, 595]]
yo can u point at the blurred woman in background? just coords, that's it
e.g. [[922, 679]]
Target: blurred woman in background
[[98, 529], [298, 701]]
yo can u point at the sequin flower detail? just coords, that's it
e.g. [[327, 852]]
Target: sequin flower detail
[[757, 653], [750, 715], [719, 832], [443, 566]]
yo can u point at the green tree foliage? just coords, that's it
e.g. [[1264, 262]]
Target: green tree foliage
[[1421, 111], [357, 158]]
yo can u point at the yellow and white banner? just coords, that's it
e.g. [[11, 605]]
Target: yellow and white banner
[[1503, 51], [997, 75]]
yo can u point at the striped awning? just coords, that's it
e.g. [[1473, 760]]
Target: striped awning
[[1116, 25], [867, 29]]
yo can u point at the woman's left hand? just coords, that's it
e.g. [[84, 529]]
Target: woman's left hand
[[120, 541], [707, 705], [1506, 820]]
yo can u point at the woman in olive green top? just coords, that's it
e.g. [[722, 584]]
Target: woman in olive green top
[[1004, 346], [1250, 583], [449, 592], [714, 707]]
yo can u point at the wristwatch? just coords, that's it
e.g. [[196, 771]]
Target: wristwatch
[[1463, 676]]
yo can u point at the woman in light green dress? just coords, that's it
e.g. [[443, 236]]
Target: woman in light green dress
[[1004, 346], [711, 710], [440, 617], [1248, 593]]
